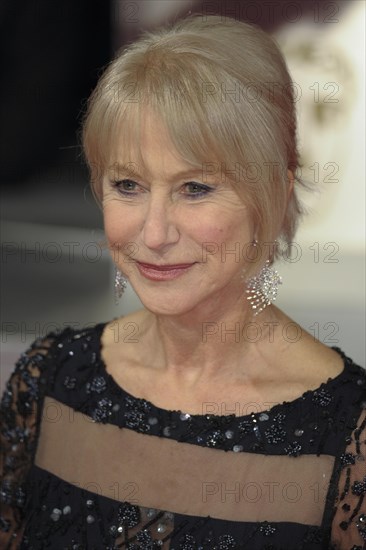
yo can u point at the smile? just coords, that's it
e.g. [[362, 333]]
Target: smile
[[162, 272]]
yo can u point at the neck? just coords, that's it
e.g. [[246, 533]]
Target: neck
[[213, 343]]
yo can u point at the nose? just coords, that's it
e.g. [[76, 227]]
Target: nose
[[159, 228]]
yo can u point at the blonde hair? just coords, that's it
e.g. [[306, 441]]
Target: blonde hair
[[223, 92]]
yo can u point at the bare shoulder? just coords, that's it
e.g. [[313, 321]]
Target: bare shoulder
[[309, 359], [123, 339], [127, 329]]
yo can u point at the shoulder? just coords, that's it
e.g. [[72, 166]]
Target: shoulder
[[127, 329], [43, 358], [332, 369], [133, 331], [28, 373], [301, 358], [301, 364], [56, 344]]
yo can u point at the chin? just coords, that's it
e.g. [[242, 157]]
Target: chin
[[165, 309], [167, 304]]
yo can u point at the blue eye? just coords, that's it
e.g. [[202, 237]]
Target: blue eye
[[192, 189], [197, 190], [125, 187]]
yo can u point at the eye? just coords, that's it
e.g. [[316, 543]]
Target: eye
[[196, 190], [126, 187]]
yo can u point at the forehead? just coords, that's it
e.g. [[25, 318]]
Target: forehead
[[142, 145]]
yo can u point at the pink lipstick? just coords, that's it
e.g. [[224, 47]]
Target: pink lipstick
[[162, 272]]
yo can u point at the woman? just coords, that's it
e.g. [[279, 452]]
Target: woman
[[198, 422]]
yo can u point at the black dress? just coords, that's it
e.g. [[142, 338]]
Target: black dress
[[87, 465]]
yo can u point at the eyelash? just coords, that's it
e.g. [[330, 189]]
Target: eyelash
[[204, 189], [118, 185]]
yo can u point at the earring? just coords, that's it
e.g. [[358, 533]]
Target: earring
[[262, 288], [120, 284]]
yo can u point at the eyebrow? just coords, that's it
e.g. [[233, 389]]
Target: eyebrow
[[130, 170]]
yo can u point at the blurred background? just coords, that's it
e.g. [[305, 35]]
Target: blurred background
[[55, 271]]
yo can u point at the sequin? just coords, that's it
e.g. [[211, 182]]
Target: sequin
[[137, 413], [275, 434], [145, 538], [256, 430], [56, 514], [226, 542], [32, 384], [215, 438], [97, 385], [359, 487], [361, 530], [347, 458], [90, 519], [113, 530], [245, 427], [102, 411], [322, 397], [293, 449], [328, 414], [267, 529], [70, 382], [188, 542], [129, 514]]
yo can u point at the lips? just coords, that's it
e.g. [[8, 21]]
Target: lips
[[164, 267], [162, 272]]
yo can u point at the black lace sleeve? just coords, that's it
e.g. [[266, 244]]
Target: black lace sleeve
[[20, 412], [349, 525]]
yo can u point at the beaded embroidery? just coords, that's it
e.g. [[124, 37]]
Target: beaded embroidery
[[74, 366]]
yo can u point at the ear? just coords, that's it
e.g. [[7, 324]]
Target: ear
[[291, 181]]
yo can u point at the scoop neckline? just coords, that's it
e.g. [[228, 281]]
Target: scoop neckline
[[285, 404]]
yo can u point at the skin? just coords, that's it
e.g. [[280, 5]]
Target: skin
[[158, 213]]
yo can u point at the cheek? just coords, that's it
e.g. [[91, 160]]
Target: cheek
[[117, 226], [224, 231], [225, 241]]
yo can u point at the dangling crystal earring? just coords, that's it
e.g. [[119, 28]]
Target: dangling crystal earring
[[262, 288], [120, 284]]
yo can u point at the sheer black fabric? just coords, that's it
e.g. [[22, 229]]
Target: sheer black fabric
[[86, 465]]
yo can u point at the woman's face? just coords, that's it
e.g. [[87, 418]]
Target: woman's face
[[179, 236]]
